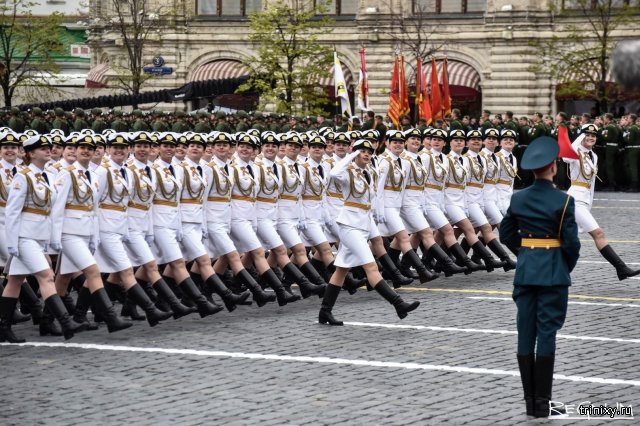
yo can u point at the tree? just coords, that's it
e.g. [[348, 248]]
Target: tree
[[577, 55], [28, 46], [290, 60]]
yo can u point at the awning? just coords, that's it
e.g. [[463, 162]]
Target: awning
[[459, 73], [328, 79], [220, 70], [97, 77]]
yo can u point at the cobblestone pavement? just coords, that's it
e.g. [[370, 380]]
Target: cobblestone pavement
[[453, 360]]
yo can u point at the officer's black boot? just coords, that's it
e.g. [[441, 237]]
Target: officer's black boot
[[310, 272], [328, 301], [201, 286], [69, 303], [490, 262], [129, 308], [69, 326], [215, 284], [7, 306], [394, 273], [77, 283], [285, 282], [18, 316], [272, 280], [526, 363], [205, 308], [83, 303], [622, 269], [463, 260], [403, 266], [496, 247], [351, 283], [446, 264], [259, 296], [140, 298], [30, 302], [543, 384], [166, 295], [307, 288], [423, 273], [105, 308], [48, 326], [389, 294], [321, 268]]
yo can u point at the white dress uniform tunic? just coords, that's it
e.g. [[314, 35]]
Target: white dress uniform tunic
[[218, 208], [334, 204], [474, 189], [192, 209], [244, 221], [313, 202], [290, 211], [490, 193], [75, 220], [54, 168], [507, 172], [113, 191], [139, 216], [355, 220], [267, 203], [414, 197], [7, 171], [389, 193], [454, 197], [437, 168], [167, 225], [583, 173], [28, 222]]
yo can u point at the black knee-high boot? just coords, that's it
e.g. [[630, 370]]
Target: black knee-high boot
[[389, 294], [205, 307], [259, 296], [140, 298], [446, 264], [7, 306], [69, 326], [622, 269], [17, 316], [393, 272], [104, 307], [31, 303], [463, 260], [423, 273], [167, 296], [496, 247], [351, 283], [403, 265], [83, 303], [307, 287], [215, 284], [325, 316], [282, 296], [490, 262], [526, 364], [543, 385]]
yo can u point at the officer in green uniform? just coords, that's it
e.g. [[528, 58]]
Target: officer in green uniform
[[202, 126], [180, 126], [38, 124], [119, 125], [610, 136], [99, 125], [80, 123], [632, 148], [540, 226], [16, 123]]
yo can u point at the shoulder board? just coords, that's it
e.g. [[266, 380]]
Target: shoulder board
[[70, 168], [305, 165], [155, 166], [131, 167], [24, 171], [330, 160], [57, 166]]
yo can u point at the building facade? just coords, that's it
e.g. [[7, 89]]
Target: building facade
[[487, 44]]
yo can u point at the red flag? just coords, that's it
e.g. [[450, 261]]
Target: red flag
[[446, 98], [422, 97], [394, 97], [436, 99], [404, 93], [566, 150]]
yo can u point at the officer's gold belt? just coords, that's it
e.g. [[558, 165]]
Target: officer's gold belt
[[334, 194], [113, 207], [582, 184], [475, 185], [190, 201], [289, 197], [504, 181], [454, 186], [133, 205], [490, 181], [78, 207], [267, 200], [159, 202], [311, 198], [218, 199], [392, 188], [3, 204], [357, 205], [432, 186], [243, 198], [41, 212], [545, 243], [415, 187]]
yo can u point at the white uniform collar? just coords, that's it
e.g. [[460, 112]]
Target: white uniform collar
[[218, 162], [487, 151], [5, 164], [413, 155], [391, 154], [78, 166], [289, 160], [191, 162]]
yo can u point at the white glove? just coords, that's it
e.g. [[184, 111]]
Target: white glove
[[13, 251], [380, 216], [205, 233], [149, 239], [125, 238], [302, 225], [92, 247], [425, 210], [56, 246], [179, 235]]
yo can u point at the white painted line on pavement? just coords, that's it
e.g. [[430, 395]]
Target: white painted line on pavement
[[615, 199], [605, 262], [486, 331], [508, 299], [318, 360]]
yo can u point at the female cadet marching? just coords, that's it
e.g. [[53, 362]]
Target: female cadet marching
[[28, 219], [356, 228], [583, 173]]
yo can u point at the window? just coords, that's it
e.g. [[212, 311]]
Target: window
[[594, 4], [449, 6], [341, 7], [228, 7]]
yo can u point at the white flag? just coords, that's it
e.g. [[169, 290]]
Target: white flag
[[341, 86], [363, 99]]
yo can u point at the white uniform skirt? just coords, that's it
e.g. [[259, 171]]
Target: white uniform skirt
[[267, 234], [332, 231], [110, 254], [476, 215], [354, 246], [436, 217], [413, 219], [191, 244], [243, 235], [219, 242], [4, 254], [492, 212], [288, 231], [76, 255], [584, 218], [313, 235], [165, 246], [455, 213], [138, 250], [32, 258], [393, 223]]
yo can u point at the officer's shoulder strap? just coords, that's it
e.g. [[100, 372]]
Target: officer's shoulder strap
[[24, 171], [564, 211], [69, 169]]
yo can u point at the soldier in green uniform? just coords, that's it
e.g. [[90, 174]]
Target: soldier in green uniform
[[202, 126], [118, 124], [222, 125], [526, 176], [455, 123], [485, 121], [180, 126], [159, 124], [242, 125], [38, 124], [16, 123], [140, 125], [632, 148], [99, 125], [79, 123], [369, 121], [510, 122], [540, 226], [610, 136]]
